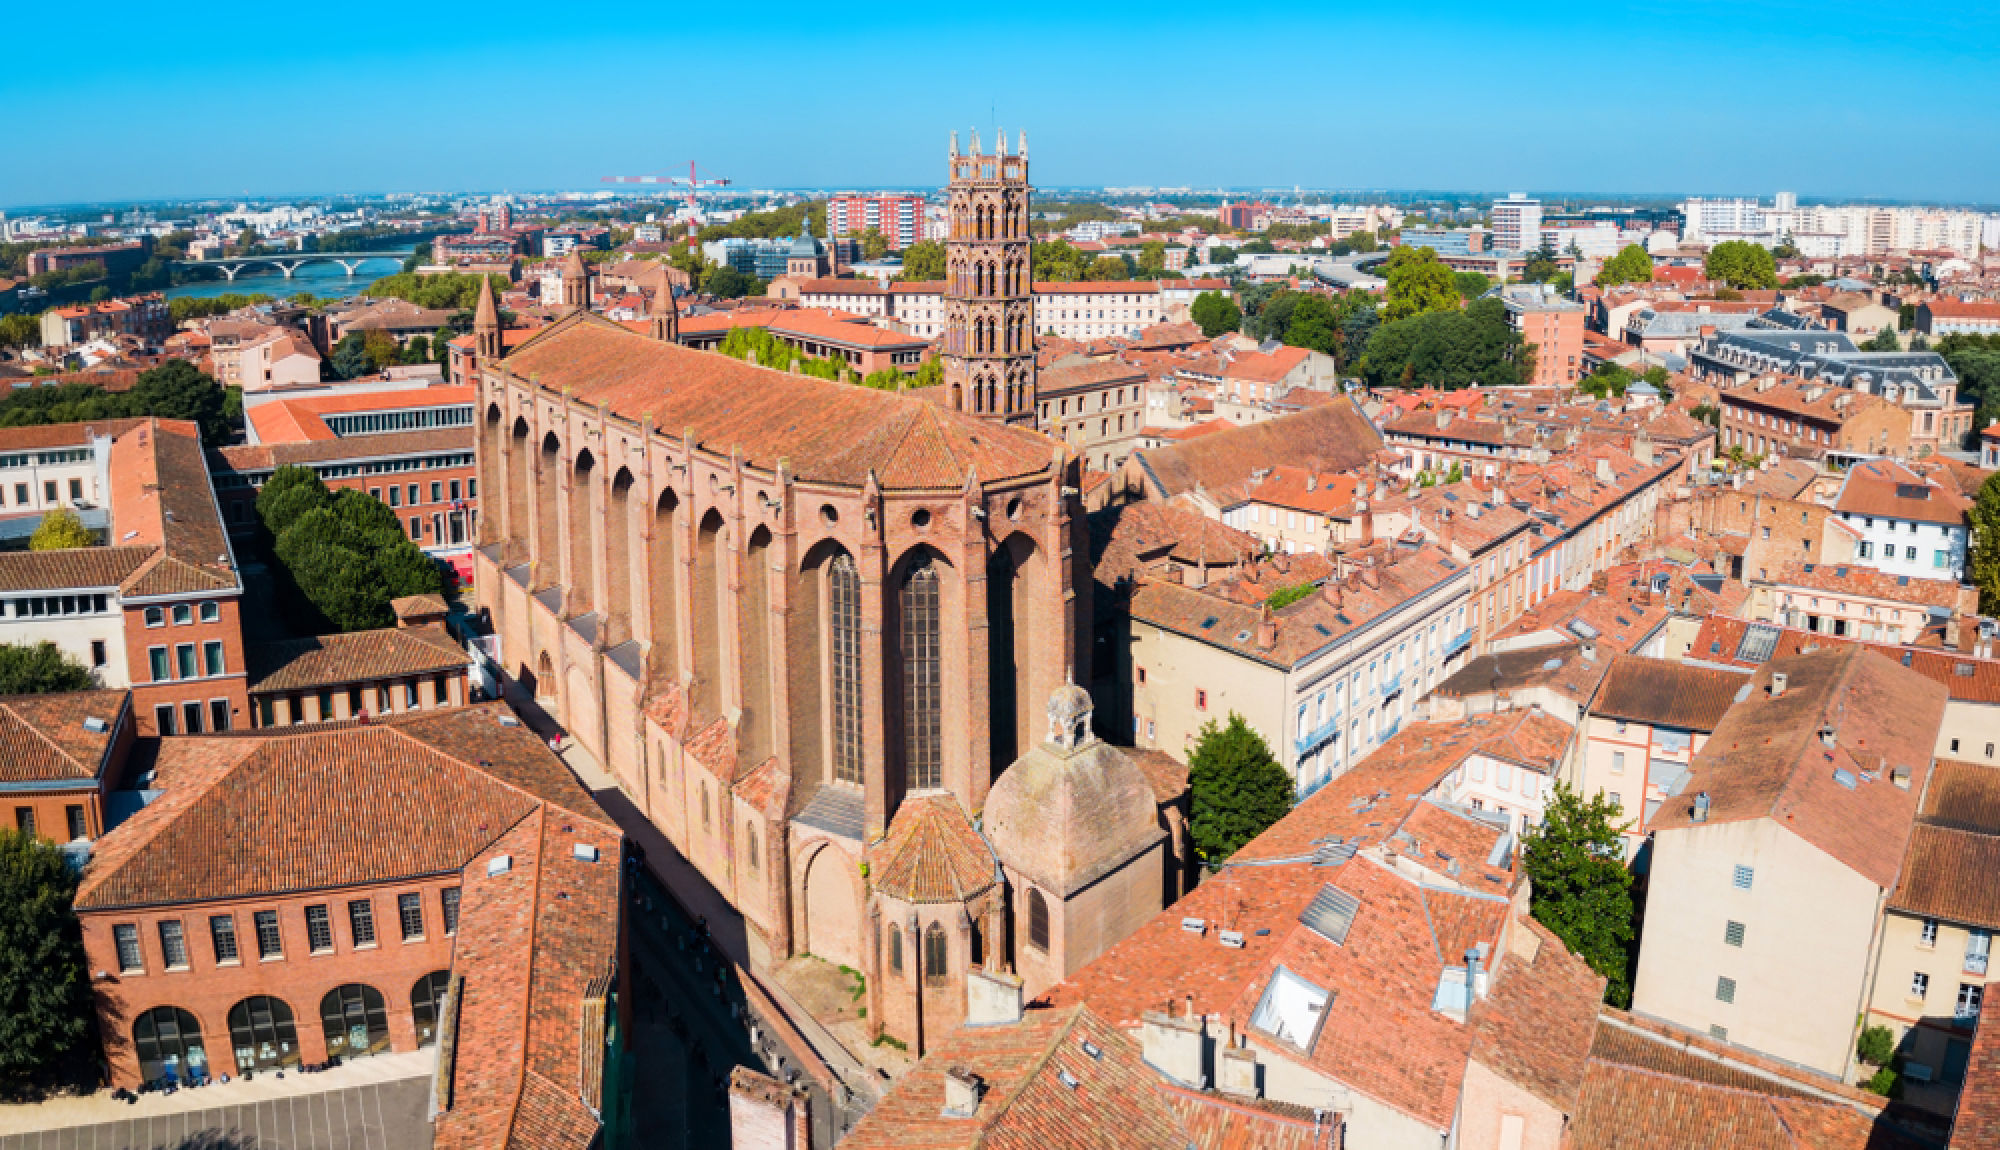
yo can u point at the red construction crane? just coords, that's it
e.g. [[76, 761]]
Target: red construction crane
[[692, 182]]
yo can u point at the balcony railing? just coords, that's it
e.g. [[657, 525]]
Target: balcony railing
[[1389, 732], [1392, 686], [1310, 741], [1463, 641], [1975, 964]]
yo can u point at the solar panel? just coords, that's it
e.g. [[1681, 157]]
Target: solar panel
[[1211, 621], [1759, 640], [1331, 914]]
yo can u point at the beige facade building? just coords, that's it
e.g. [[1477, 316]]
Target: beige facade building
[[1644, 727], [1772, 867], [1097, 408], [1937, 937]]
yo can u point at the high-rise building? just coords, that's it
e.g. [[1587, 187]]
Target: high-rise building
[[900, 219], [989, 339], [1517, 223]]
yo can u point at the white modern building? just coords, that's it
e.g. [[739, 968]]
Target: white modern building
[[1517, 223]]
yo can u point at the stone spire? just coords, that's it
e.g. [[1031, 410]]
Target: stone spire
[[1001, 147], [975, 141], [1022, 142], [486, 324], [665, 313], [954, 141]]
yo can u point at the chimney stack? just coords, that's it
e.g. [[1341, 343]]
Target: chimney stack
[[1701, 807], [1777, 684], [1173, 1046], [962, 1090]]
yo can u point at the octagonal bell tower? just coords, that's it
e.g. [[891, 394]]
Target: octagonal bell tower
[[989, 308]]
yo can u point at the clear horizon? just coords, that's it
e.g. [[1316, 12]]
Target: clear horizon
[[1705, 97]]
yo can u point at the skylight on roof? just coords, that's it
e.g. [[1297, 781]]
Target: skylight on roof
[[1759, 640], [1291, 1009], [1582, 630], [1331, 914], [1211, 621]]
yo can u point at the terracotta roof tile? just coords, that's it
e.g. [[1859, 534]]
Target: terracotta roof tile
[[43, 739], [1766, 760], [830, 432], [1331, 437], [932, 854], [1535, 1029], [1977, 1124], [331, 660], [1666, 693]]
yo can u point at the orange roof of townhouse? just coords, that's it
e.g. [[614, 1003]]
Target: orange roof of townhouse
[[1098, 287], [1377, 1030], [1260, 367], [828, 431], [1064, 1076], [304, 418], [1883, 489], [1746, 643], [1666, 693], [1817, 757], [1301, 489], [1058, 381], [1955, 849], [1331, 437], [1977, 1123], [839, 327], [44, 739], [1197, 430], [1964, 308], [1866, 582]]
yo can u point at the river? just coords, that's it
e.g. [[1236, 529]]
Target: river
[[323, 278]]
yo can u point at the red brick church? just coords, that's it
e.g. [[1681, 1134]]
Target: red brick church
[[808, 625]]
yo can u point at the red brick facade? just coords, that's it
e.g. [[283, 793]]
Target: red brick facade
[[734, 633], [199, 701], [300, 977]]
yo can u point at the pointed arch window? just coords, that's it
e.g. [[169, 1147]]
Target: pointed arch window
[[844, 659], [1038, 921], [923, 736], [896, 949], [937, 956]]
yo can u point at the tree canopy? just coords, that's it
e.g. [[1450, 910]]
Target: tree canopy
[[40, 669], [1575, 863], [344, 555], [60, 530], [1418, 283], [451, 291], [1314, 325], [1215, 313], [1884, 340], [1630, 266], [1742, 265], [1238, 788], [923, 261], [174, 390], [1983, 562], [1449, 349], [45, 999], [725, 282]]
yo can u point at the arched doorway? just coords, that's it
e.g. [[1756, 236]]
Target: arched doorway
[[833, 909], [167, 1040], [427, 1004], [355, 1020], [261, 1034]]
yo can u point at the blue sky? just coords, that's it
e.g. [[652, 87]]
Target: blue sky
[[1827, 99]]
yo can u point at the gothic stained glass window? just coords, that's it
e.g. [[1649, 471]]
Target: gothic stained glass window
[[923, 736], [844, 658]]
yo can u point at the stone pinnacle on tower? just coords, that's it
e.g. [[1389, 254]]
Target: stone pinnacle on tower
[[486, 323], [665, 313]]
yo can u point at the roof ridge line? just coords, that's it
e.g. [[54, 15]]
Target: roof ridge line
[[528, 983], [1041, 1061], [187, 795], [37, 732]]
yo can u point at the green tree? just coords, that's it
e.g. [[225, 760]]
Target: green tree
[[1884, 340], [1630, 266], [1983, 561], [1418, 283], [1221, 255], [45, 1000], [1238, 788], [451, 291], [1314, 325], [1215, 313], [60, 530], [1104, 269], [1448, 349], [1741, 264], [1471, 285], [726, 282], [1575, 863], [1541, 267], [1153, 256], [874, 245], [179, 390], [290, 493], [1876, 1047], [923, 261], [418, 350], [39, 669], [350, 357], [1608, 381], [20, 331]]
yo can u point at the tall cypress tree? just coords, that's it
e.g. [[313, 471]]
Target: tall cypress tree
[[1238, 788], [1581, 889]]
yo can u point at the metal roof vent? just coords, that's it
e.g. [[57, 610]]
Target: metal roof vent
[[499, 865], [1844, 777], [1194, 925], [95, 725]]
